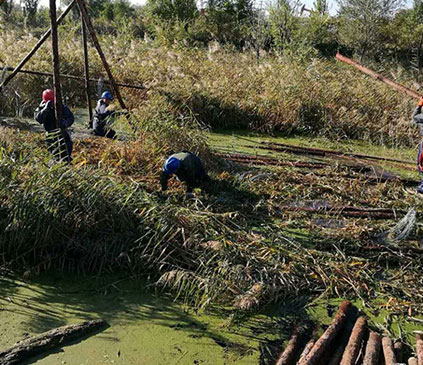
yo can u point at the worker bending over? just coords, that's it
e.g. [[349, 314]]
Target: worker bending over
[[103, 117], [187, 167], [418, 119], [59, 141]]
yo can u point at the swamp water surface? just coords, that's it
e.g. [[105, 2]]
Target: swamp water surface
[[144, 328]]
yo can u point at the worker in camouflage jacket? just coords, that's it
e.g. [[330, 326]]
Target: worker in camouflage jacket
[[103, 115], [418, 119], [187, 167], [59, 141]]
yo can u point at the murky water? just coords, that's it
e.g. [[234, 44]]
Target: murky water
[[145, 328]]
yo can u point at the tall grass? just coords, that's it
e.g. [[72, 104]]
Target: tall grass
[[227, 89]]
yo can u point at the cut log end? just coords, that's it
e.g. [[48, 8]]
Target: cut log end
[[372, 354], [388, 351]]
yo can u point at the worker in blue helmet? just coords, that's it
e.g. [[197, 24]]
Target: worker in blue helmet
[[103, 115], [187, 167]]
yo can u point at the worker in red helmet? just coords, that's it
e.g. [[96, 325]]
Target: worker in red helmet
[[59, 141]]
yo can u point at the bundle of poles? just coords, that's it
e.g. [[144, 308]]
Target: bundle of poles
[[347, 341]]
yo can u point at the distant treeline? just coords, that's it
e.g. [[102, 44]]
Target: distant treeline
[[375, 30]]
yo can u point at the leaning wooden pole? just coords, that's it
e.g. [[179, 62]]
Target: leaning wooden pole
[[56, 65], [325, 341], [379, 77], [86, 70], [24, 350], [94, 39], [36, 47]]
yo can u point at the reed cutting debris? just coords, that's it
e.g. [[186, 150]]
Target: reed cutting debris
[[103, 214]]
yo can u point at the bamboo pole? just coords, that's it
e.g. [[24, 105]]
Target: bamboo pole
[[56, 65], [66, 76], [86, 70], [36, 47], [324, 342], [377, 76], [287, 357], [372, 354], [388, 351], [94, 39], [354, 344]]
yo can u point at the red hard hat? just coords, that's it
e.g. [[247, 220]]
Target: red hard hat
[[48, 95]]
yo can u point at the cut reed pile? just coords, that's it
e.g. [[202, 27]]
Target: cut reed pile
[[227, 89]]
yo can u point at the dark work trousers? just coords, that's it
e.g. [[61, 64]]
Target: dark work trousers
[[60, 145]]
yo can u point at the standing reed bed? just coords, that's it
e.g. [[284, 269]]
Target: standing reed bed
[[225, 89]]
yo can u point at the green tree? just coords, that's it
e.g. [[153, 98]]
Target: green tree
[[183, 10], [29, 8], [363, 21], [283, 22], [6, 9], [321, 7]]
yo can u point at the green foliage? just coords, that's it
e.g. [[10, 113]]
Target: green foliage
[[181, 10], [283, 22], [119, 11], [362, 23]]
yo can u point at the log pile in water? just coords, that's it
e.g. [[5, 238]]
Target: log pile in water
[[349, 341]]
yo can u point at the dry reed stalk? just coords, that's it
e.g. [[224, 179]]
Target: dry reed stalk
[[354, 344], [322, 345], [388, 351], [372, 354]]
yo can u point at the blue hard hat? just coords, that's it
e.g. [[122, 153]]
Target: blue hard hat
[[171, 165], [107, 95]]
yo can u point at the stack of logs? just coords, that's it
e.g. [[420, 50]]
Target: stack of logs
[[347, 341]]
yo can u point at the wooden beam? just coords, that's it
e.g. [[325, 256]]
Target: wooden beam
[[375, 75], [56, 65], [66, 76], [94, 39], [86, 70], [35, 48]]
